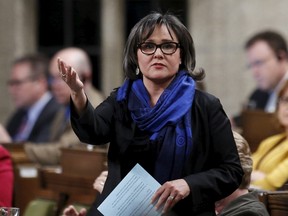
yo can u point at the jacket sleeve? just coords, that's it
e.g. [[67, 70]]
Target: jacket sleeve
[[94, 125]]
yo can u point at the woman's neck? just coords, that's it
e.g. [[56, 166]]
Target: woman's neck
[[155, 89]]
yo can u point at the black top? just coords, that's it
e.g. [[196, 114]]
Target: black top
[[213, 172]]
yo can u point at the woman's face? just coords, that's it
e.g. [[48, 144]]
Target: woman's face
[[159, 68], [282, 112]]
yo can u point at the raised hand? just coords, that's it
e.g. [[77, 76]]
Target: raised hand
[[70, 76]]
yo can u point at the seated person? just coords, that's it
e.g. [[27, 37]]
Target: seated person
[[270, 160], [35, 105], [6, 178], [267, 58], [5, 137], [62, 135], [241, 201]]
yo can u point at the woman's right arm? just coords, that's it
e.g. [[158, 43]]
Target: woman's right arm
[[71, 78]]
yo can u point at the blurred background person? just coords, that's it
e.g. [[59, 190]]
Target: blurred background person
[[35, 105], [62, 134], [267, 57], [80, 61], [270, 161], [4, 136], [242, 201], [6, 178]]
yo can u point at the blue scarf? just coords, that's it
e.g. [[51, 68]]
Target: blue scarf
[[169, 121]]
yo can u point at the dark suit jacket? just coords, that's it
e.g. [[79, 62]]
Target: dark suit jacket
[[41, 130], [214, 169], [258, 99]]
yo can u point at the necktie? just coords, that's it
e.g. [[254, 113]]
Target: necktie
[[21, 135]]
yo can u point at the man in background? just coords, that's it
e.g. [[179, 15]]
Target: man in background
[[35, 106], [267, 57], [62, 134]]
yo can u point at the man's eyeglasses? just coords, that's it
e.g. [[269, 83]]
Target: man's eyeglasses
[[18, 82], [167, 48], [258, 63]]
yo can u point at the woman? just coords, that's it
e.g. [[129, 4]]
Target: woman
[[270, 167], [180, 135]]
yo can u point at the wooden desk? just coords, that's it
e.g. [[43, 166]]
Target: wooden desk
[[17, 152], [83, 162], [74, 184], [27, 186]]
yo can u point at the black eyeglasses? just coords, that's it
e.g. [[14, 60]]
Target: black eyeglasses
[[18, 82], [167, 48]]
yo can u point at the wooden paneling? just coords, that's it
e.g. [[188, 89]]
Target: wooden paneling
[[258, 125]]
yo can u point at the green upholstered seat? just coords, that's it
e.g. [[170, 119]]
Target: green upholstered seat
[[40, 207]]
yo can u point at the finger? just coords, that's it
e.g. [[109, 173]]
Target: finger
[[83, 212], [58, 64], [157, 194], [169, 203], [62, 70], [162, 200], [70, 211]]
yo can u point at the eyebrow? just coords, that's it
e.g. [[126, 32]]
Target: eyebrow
[[163, 40]]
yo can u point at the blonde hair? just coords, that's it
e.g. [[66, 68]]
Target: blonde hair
[[245, 159]]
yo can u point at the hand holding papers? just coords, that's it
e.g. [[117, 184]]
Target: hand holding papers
[[132, 196]]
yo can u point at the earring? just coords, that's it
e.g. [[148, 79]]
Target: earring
[[137, 71]]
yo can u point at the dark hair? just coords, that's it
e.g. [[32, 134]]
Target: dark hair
[[275, 40], [38, 63], [145, 27]]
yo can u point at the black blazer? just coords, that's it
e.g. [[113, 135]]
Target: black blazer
[[214, 170], [258, 99], [41, 130]]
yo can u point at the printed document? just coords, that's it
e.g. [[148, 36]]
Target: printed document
[[132, 196]]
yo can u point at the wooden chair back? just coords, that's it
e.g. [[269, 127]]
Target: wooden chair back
[[276, 202], [258, 125]]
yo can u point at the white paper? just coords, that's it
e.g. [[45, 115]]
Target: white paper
[[132, 196]]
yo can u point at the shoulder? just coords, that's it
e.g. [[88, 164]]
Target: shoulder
[[52, 104], [274, 138], [205, 99]]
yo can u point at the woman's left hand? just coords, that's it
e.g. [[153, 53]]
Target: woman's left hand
[[170, 193]]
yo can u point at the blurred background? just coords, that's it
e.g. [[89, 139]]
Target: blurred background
[[219, 29]]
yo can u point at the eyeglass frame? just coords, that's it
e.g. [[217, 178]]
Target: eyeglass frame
[[178, 45], [19, 82], [259, 62]]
